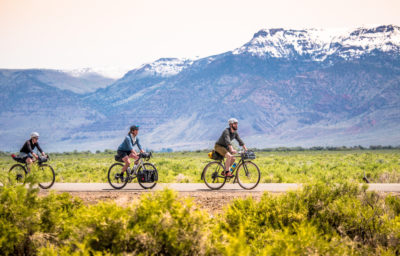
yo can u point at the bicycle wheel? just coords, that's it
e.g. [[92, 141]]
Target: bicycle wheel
[[115, 178], [16, 174], [148, 167], [212, 175], [248, 175], [46, 176]]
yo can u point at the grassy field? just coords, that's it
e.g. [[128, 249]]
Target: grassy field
[[380, 166], [330, 215]]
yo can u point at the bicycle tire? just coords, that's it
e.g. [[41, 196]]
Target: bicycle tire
[[146, 185], [16, 174], [248, 175], [50, 174], [212, 176], [112, 178]]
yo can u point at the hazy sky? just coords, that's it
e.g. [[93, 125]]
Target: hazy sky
[[68, 34]]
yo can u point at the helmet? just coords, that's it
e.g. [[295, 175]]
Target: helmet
[[232, 121], [134, 127], [34, 135]]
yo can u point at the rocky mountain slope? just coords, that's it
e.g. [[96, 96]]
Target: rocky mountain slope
[[286, 87]]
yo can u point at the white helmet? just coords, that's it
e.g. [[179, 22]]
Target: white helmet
[[34, 135], [232, 121]]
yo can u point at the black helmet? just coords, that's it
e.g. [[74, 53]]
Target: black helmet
[[134, 128]]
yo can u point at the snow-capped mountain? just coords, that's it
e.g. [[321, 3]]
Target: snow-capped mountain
[[84, 83], [320, 44], [287, 88]]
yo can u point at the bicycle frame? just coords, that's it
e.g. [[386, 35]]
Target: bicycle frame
[[246, 174], [242, 160], [140, 164], [133, 175]]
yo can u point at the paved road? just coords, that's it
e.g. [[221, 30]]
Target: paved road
[[197, 187]]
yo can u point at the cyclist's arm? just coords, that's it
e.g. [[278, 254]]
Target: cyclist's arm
[[139, 146], [40, 149], [231, 149], [241, 143], [29, 147], [129, 143]]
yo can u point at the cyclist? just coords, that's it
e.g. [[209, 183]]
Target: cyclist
[[126, 151], [224, 147], [26, 152]]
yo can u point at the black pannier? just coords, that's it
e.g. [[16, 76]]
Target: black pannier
[[19, 159], [147, 176], [118, 158], [249, 155], [145, 155], [42, 159]]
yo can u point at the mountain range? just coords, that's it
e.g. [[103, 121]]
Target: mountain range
[[286, 87]]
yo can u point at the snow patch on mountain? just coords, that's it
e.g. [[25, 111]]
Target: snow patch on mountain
[[318, 44], [166, 67], [109, 72]]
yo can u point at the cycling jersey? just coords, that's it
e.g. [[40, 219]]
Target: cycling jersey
[[227, 136], [29, 146], [128, 144]]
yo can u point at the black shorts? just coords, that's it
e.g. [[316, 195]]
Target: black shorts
[[121, 154]]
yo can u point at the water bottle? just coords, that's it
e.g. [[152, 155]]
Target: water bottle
[[233, 167], [129, 170]]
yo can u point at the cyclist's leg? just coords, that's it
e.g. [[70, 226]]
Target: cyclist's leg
[[125, 158], [225, 153], [134, 156], [28, 161], [127, 163], [230, 159]]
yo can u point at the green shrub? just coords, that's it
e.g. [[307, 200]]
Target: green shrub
[[321, 218], [163, 224], [28, 221], [159, 223]]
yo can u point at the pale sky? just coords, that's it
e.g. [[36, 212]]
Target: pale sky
[[69, 34]]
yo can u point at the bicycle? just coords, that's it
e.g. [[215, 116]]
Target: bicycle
[[18, 172], [146, 173], [247, 173]]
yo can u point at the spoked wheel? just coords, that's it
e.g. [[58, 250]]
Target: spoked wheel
[[46, 176], [116, 177], [17, 174], [148, 167], [212, 175], [248, 175]]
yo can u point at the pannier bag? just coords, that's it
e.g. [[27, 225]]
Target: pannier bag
[[18, 158], [118, 158], [145, 155], [147, 176], [215, 155], [249, 155], [42, 159]]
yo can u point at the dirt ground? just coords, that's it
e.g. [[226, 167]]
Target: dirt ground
[[212, 201]]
